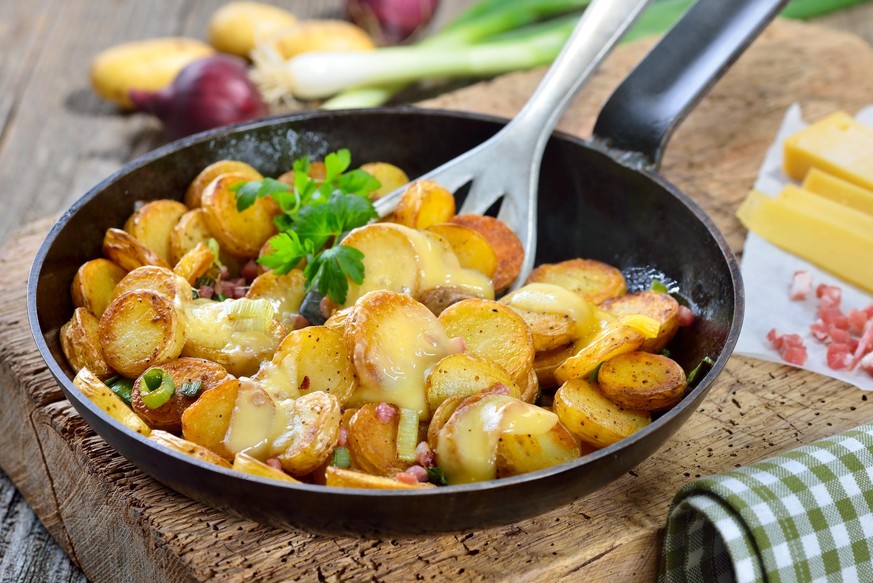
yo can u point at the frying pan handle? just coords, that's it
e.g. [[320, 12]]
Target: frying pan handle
[[642, 113]]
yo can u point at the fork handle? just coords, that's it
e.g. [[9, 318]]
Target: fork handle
[[640, 116]]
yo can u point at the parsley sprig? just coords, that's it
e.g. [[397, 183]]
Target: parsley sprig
[[315, 215]]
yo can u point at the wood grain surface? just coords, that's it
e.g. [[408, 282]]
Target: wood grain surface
[[57, 139]]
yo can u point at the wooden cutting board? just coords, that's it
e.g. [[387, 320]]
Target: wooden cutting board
[[120, 525]]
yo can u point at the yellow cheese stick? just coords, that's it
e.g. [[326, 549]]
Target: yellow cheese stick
[[844, 252], [837, 144], [815, 204], [839, 190]]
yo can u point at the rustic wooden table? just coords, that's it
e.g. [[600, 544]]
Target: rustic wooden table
[[57, 139]]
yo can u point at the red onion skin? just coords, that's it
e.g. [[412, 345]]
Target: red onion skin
[[210, 92], [391, 22]]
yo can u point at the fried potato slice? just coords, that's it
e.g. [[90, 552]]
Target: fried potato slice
[[311, 433], [372, 442], [102, 396], [519, 453], [186, 447], [314, 358], [154, 279], [255, 421], [555, 315], [531, 391], [239, 233], [80, 341], [439, 298], [182, 370], [339, 319], [495, 331], [506, 245], [546, 362], [424, 203], [140, 329], [127, 252], [152, 223], [389, 176], [93, 284], [462, 375], [472, 249], [194, 194], [642, 381], [284, 292], [340, 478], [390, 261], [195, 263], [440, 417], [594, 281], [207, 420], [191, 230], [593, 418], [243, 462], [660, 306], [608, 343]]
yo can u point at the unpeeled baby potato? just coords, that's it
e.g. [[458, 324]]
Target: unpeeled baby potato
[[148, 65], [237, 27], [319, 35]]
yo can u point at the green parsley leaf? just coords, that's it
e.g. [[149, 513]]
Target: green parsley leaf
[[328, 272], [358, 182], [336, 163], [248, 192], [341, 213], [288, 250]]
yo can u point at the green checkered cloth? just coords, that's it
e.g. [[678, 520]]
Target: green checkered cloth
[[806, 515]]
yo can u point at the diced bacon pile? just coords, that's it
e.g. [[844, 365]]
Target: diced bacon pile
[[848, 335]]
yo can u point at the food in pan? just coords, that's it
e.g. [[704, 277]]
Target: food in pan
[[425, 371]]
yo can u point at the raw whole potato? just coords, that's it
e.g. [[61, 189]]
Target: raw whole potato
[[152, 223], [642, 381], [124, 250], [207, 420], [390, 261], [102, 396], [80, 341], [506, 245], [93, 284], [140, 329], [464, 375], [237, 27], [340, 478], [660, 306], [594, 281], [318, 35], [593, 418], [183, 446], [310, 435], [424, 203], [372, 442], [390, 178], [155, 279], [194, 194], [472, 249], [239, 233]]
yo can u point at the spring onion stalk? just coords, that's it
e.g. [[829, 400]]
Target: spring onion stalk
[[407, 435], [342, 458], [157, 388], [250, 314], [813, 8]]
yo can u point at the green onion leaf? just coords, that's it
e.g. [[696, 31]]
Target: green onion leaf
[[658, 286], [436, 476], [121, 387], [592, 378], [706, 362], [213, 246], [157, 388], [342, 458], [191, 388], [407, 435]]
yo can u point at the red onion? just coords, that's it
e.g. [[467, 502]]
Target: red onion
[[391, 22], [210, 92]]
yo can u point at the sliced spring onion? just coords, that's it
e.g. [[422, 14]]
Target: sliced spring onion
[[191, 388], [342, 458], [435, 475], [706, 362], [658, 286], [121, 387], [249, 314], [213, 246], [645, 325], [157, 388], [592, 377], [407, 435]]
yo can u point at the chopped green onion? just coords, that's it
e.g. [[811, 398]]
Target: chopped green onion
[[250, 315], [213, 246], [191, 388], [407, 435], [666, 352], [435, 475], [707, 362], [157, 388], [121, 387], [220, 297], [592, 378], [342, 458], [658, 286]]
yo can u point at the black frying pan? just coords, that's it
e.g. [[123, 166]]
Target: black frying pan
[[600, 199]]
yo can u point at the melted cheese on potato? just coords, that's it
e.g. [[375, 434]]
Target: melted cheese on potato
[[548, 298]]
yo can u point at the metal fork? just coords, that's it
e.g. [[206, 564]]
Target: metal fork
[[508, 164]]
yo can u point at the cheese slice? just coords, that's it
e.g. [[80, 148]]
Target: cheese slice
[[836, 144], [839, 190], [817, 205], [844, 251]]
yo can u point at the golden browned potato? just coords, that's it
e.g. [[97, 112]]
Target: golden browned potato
[[390, 261], [594, 281], [660, 306], [310, 435], [310, 359], [338, 319], [243, 171], [182, 370], [340, 478], [195, 263], [606, 344], [472, 249], [317, 171], [156, 279], [440, 417], [531, 391], [140, 329], [519, 453], [207, 420], [372, 442], [492, 330], [80, 341], [439, 298], [506, 245], [190, 231], [124, 250], [424, 203], [593, 418], [464, 375], [242, 462], [390, 178], [237, 27], [545, 363], [102, 396], [318, 35], [284, 292], [556, 316], [93, 284], [152, 223], [239, 233], [642, 381], [186, 447]]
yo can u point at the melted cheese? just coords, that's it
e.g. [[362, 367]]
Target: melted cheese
[[837, 144], [546, 298], [467, 444], [255, 421]]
